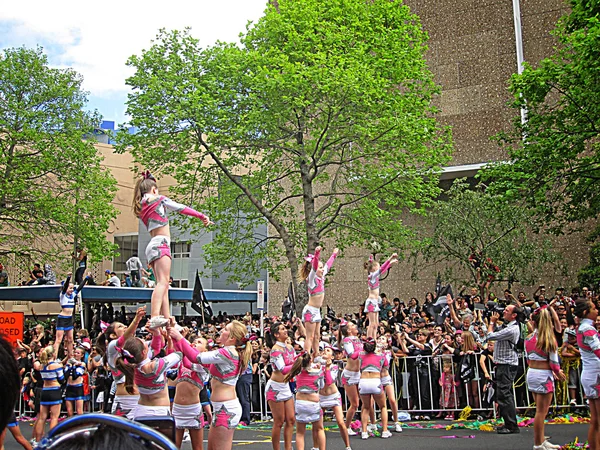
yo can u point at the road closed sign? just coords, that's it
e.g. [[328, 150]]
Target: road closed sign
[[11, 326]]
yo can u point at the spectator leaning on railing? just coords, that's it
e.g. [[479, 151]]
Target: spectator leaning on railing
[[507, 362]]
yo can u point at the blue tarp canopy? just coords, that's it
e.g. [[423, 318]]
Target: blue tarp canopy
[[108, 294]]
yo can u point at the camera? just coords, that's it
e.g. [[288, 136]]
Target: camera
[[492, 307]]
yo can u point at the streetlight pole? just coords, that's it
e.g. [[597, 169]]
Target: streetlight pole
[[519, 46]]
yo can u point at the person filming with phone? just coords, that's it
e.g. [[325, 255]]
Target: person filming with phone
[[505, 355]]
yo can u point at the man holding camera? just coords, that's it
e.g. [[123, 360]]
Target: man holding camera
[[507, 362]]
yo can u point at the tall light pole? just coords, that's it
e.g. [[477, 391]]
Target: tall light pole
[[519, 46]]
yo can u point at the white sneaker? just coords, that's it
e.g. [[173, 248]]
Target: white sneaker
[[364, 435], [351, 432], [348, 448], [371, 428], [550, 446], [186, 437], [398, 427], [157, 322], [386, 434]]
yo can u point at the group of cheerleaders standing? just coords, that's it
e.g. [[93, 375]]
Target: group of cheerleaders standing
[[140, 367]]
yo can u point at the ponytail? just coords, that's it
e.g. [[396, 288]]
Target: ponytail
[[143, 185], [46, 354], [270, 338], [302, 361], [127, 370], [304, 271]]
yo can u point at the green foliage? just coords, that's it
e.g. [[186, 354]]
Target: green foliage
[[52, 187], [321, 121], [476, 223], [590, 275], [556, 169]]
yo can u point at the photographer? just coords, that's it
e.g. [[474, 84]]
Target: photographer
[[506, 358]]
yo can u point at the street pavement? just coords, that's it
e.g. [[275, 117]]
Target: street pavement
[[258, 437]]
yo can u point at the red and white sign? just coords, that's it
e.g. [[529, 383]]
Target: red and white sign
[[11, 326]]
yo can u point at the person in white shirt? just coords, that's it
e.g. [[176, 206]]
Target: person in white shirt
[[134, 265], [112, 279]]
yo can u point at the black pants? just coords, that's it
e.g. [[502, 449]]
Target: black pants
[[505, 378], [242, 389], [79, 273]]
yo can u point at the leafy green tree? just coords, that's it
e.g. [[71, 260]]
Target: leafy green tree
[[53, 188], [483, 239], [319, 125], [555, 154]]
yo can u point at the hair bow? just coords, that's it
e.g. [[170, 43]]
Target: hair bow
[[371, 258], [125, 353], [148, 176], [343, 323], [540, 309], [369, 340], [246, 338], [309, 257], [103, 325], [302, 353]]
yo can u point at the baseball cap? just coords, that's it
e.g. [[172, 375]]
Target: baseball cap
[[107, 271]]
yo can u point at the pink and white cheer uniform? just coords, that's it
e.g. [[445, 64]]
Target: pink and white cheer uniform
[[154, 215], [154, 382], [308, 382], [371, 304], [370, 362], [190, 416], [540, 381], [387, 379], [352, 348], [224, 366], [329, 376], [589, 346], [282, 359], [123, 405], [316, 286]]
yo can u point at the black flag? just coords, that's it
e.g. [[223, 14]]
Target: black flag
[[199, 302], [440, 309], [288, 309]]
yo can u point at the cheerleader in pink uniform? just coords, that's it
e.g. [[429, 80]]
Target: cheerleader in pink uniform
[[329, 396], [589, 346], [225, 365], [383, 343], [151, 209], [313, 272], [351, 374], [149, 374], [278, 393], [373, 300], [542, 358], [190, 392], [309, 380], [370, 388]]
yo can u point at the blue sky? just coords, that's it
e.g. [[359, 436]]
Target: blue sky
[[95, 39]]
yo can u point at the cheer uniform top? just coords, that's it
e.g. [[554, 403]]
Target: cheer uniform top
[[589, 347], [154, 211]]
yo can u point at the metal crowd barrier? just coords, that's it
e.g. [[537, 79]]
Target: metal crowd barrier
[[417, 388]]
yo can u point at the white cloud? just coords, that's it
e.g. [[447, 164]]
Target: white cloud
[[96, 38]]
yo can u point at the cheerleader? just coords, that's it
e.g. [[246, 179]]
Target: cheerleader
[[313, 272], [278, 394], [225, 365], [386, 379], [309, 380], [329, 396], [373, 300], [74, 372], [151, 209], [51, 399], [589, 346], [542, 359], [149, 373], [351, 374], [108, 343], [370, 388], [189, 393], [64, 321]]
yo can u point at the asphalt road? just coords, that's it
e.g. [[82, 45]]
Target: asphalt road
[[258, 437]]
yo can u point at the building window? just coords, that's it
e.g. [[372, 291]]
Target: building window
[[181, 249], [180, 284], [128, 245]]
